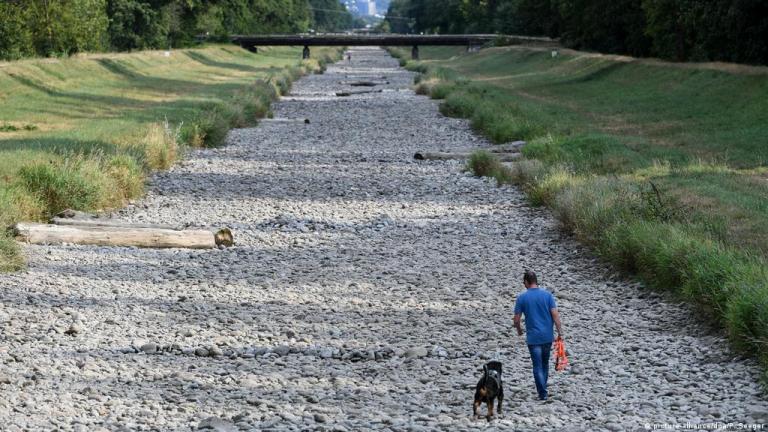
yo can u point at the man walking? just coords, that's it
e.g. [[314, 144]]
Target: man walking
[[540, 310]]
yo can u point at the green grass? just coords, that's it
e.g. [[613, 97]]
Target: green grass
[[484, 164], [660, 167], [84, 132]]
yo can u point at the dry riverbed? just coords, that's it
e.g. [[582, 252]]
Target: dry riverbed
[[365, 291]]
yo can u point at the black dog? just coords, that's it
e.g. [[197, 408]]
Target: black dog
[[489, 388]]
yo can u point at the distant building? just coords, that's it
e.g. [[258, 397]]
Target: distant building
[[366, 7]]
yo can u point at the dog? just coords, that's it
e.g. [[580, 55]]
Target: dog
[[489, 388]]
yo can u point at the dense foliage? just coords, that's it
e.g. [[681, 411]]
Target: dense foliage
[[684, 30], [63, 27]]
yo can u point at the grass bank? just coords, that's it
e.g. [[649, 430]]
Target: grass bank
[[84, 132], [660, 167]]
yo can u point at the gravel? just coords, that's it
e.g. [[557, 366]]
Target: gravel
[[365, 291]]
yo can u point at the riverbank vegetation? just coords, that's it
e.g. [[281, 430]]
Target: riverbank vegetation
[[84, 132], [660, 167]]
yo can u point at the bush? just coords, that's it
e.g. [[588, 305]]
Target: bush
[[10, 255], [544, 191], [17, 204], [209, 129], [62, 186], [160, 146], [483, 164], [459, 104], [127, 174]]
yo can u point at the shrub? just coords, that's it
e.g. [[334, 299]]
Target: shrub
[[61, 186], [483, 164], [459, 104], [17, 204], [503, 125], [209, 129], [544, 191], [161, 145], [438, 89], [127, 174], [10, 255]]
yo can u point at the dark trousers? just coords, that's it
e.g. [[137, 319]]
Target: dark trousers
[[540, 359]]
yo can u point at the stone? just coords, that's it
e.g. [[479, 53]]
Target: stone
[[74, 329], [281, 350], [149, 348], [416, 352], [217, 425]]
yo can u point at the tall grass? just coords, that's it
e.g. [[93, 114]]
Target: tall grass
[[682, 216], [484, 164]]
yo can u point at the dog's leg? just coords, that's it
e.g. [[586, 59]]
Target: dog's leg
[[501, 398], [475, 406], [490, 409]]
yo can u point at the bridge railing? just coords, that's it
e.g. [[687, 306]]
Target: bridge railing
[[252, 42]]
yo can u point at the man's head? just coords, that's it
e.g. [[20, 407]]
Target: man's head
[[529, 279]]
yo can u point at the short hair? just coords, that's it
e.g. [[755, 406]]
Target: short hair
[[530, 277]]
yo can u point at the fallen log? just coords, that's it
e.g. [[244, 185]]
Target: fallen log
[[512, 147], [36, 233], [502, 157], [98, 222], [364, 83], [285, 120], [345, 94], [75, 214]]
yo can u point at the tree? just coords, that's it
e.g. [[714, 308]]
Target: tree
[[15, 35], [615, 26], [67, 26], [330, 16], [528, 17], [137, 24]]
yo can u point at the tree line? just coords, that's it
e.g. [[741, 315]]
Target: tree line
[[682, 30], [64, 27]]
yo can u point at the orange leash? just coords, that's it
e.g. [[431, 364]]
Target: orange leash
[[561, 360]]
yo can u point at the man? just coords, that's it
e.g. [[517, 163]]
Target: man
[[540, 310]]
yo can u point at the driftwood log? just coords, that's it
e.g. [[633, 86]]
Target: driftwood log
[[36, 233], [106, 222], [512, 147], [502, 157], [364, 83], [285, 120], [350, 93]]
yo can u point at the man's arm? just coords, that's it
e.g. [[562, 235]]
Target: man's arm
[[517, 324], [556, 319]]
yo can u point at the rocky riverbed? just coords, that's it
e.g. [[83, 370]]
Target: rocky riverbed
[[365, 292]]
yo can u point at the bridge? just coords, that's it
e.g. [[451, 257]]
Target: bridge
[[471, 41]]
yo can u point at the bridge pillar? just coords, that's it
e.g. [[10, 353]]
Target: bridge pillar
[[415, 52], [305, 53]]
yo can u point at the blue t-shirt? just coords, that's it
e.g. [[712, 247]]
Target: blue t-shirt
[[536, 305]]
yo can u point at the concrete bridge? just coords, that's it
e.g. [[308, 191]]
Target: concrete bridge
[[471, 41]]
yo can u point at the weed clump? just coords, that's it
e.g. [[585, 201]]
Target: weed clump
[[161, 145], [61, 186], [13, 128], [10, 255], [483, 164]]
